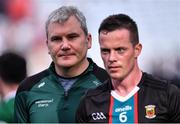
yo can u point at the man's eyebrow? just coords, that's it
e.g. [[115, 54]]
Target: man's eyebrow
[[54, 37], [72, 34]]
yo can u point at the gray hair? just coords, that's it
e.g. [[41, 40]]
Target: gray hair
[[63, 13]]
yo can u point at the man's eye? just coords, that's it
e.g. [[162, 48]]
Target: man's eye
[[55, 38], [120, 50], [72, 36], [104, 51]]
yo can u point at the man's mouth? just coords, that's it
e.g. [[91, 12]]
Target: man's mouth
[[65, 55]]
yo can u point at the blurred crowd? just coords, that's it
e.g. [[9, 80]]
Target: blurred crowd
[[16, 21], [21, 32]]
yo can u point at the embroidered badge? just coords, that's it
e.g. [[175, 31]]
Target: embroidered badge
[[150, 111]]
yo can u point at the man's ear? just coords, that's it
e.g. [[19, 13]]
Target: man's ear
[[138, 48], [89, 40], [47, 46]]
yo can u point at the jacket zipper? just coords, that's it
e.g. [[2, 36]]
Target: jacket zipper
[[65, 94]]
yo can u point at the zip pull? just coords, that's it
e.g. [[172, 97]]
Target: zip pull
[[65, 94]]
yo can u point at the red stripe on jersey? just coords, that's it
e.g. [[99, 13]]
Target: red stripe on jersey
[[136, 108], [111, 109]]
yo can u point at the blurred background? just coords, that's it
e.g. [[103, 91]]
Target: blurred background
[[22, 29]]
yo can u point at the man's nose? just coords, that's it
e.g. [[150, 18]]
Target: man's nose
[[112, 56], [65, 45]]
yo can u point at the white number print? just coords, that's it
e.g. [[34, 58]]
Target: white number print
[[123, 117]]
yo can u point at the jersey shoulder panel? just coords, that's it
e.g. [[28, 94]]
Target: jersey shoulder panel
[[29, 82], [154, 82], [103, 88]]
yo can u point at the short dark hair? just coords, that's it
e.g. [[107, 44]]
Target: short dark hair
[[12, 67], [120, 21]]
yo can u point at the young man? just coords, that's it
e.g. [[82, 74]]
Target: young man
[[131, 96], [12, 72], [53, 95]]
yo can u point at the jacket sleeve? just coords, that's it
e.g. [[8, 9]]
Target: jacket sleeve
[[81, 114], [20, 110], [174, 103]]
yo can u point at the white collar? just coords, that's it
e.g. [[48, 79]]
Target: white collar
[[124, 98]]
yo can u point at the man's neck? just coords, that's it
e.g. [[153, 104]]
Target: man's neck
[[74, 70], [125, 86]]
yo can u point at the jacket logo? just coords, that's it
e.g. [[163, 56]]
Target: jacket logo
[[150, 111], [98, 116], [41, 84]]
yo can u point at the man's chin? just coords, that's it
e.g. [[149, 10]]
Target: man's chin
[[116, 77], [66, 64]]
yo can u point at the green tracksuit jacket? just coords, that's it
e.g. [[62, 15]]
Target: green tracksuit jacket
[[42, 99]]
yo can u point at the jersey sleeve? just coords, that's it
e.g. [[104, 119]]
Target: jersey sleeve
[[174, 103], [20, 110]]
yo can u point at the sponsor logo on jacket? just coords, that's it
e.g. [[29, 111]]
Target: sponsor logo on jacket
[[44, 103]]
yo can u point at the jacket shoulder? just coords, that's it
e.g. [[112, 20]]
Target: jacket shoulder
[[29, 82], [100, 73]]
